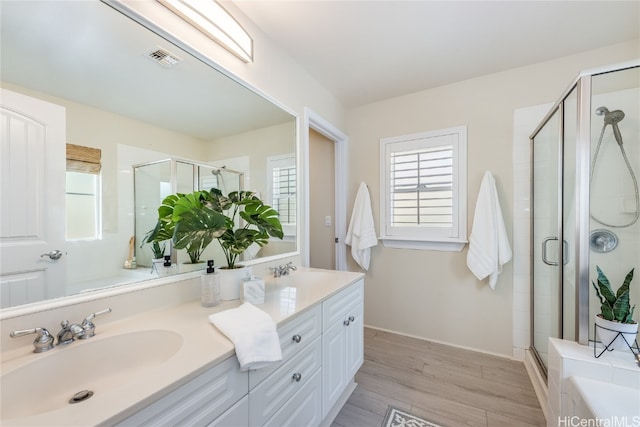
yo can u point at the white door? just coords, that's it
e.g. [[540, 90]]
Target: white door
[[32, 199]]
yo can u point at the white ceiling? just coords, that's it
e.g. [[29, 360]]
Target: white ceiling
[[365, 51]]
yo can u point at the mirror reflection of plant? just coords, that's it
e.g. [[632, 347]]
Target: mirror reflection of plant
[[157, 248]]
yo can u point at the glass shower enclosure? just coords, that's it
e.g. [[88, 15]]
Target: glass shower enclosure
[[585, 203], [154, 181]]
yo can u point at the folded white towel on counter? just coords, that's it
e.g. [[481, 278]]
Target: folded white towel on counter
[[252, 332], [489, 247], [361, 234]]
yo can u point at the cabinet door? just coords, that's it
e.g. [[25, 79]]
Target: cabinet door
[[303, 409], [334, 368], [354, 342]]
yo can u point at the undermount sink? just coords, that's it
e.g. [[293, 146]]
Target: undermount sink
[[98, 365]]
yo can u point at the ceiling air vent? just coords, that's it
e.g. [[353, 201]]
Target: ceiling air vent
[[163, 57]]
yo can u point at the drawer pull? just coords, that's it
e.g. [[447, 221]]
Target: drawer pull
[[296, 338], [297, 377], [346, 323], [351, 318]]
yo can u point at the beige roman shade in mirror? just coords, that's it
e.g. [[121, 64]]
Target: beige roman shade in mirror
[[83, 159]]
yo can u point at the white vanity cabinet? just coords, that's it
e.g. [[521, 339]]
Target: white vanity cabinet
[[199, 401], [282, 389], [278, 389], [342, 342], [322, 348], [295, 335]]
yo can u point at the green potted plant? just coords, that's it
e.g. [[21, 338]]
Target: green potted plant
[[190, 221], [616, 312], [237, 221], [157, 248], [259, 222]]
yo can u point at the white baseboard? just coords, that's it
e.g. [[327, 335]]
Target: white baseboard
[[538, 381]]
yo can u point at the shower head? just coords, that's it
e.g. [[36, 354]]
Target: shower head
[[218, 171], [612, 118]]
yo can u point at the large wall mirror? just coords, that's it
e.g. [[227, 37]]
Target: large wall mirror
[[135, 99]]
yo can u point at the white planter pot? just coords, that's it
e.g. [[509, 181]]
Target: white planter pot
[[231, 281], [607, 331], [188, 267], [158, 266]]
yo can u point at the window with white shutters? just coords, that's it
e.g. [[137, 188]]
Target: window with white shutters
[[282, 190], [423, 190]]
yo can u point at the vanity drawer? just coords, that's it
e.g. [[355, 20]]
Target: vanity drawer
[[197, 402], [267, 398], [294, 335], [303, 409], [338, 306]]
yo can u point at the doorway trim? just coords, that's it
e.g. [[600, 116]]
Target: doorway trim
[[312, 120]]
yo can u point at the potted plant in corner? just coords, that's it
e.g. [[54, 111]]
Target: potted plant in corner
[[247, 221], [615, 324]]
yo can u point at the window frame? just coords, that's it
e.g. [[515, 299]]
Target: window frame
[[289, 228], [96, 202], [424, 237]]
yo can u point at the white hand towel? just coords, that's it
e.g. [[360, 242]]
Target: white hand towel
[[489, 247], [253, 334], [361, 235]]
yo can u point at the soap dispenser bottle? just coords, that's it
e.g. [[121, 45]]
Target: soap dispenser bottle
[[210, 280]]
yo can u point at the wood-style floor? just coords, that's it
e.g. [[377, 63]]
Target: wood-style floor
[[446, 385]]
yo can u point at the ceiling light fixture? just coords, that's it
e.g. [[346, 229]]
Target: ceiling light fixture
[[209, 17]]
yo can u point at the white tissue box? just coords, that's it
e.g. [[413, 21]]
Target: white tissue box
[[253, 291]]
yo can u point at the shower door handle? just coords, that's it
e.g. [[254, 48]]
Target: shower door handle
[[565, 251]]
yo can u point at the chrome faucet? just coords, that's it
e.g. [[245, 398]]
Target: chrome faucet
[[283, 270], [88, 325], [43, 341], [69, 333]]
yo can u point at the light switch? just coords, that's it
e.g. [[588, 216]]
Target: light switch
[[327, 221]]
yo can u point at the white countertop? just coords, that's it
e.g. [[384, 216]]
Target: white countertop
[[203, 346]]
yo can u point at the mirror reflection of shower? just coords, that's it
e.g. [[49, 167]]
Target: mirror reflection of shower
[[612, 118], [219, 179]]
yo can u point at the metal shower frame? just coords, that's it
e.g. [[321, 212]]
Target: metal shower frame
[[582, 85]]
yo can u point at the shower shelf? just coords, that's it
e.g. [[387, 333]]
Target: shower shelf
[[634, 349]]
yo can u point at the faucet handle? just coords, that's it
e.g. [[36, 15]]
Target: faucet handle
[[43, 341], [88, 326]]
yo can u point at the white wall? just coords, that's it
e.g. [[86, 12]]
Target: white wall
[[433, 295]]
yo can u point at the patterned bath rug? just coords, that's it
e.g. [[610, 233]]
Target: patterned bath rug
[[397, 418]]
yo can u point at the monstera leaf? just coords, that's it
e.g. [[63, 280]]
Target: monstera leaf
[[249, 221], [190, 221], [237, 220]]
